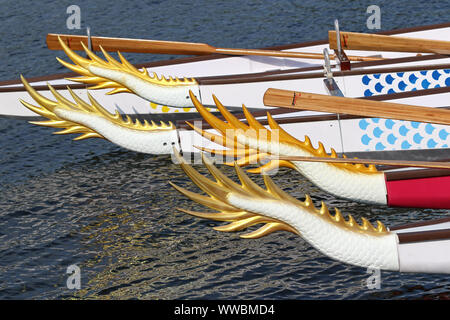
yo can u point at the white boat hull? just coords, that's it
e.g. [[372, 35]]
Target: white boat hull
[[236, 94]]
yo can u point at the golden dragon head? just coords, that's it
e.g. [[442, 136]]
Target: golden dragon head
[[233, 134]]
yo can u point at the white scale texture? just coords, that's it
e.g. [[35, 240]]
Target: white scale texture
[[153, 142], [356, 186], [175, 96], [355, 248]]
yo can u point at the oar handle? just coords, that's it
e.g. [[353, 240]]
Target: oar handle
[[287, 54]]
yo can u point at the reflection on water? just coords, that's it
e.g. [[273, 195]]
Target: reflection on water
[[114, 216]]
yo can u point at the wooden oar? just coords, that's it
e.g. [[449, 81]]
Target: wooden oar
[[174, 47], [375, 42], [400, 163], [359, 107]]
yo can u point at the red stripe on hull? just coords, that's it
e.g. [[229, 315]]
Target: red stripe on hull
[[433, 192]]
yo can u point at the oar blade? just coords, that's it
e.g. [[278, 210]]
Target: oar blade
[[359, 107]]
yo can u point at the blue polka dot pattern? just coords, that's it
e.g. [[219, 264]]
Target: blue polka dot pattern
[[404, 81], [387, 134]]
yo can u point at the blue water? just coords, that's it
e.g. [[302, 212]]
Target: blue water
[[111, 211]]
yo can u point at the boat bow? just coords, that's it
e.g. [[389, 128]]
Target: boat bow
[[93, 121], [248, 204], [350, 181], [124, 77]]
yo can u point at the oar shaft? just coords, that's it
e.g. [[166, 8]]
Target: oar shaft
[[287, 54], [359, 107], [400, 163], [175, 47], [364, 41]]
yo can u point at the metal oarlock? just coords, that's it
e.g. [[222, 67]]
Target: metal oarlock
[[332, 89], [327, 64], [330, 84], [338, 35], [342, 58], [88, 33]]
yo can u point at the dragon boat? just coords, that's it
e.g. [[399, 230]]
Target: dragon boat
[[416, 247], [422, 80], [161, 88], [248, 136], [349, 134], [355, 136], [252, 143]]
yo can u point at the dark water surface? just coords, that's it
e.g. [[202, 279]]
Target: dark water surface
[[112, 212]]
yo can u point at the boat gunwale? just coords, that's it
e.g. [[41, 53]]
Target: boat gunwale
[[245, 78], [417, 173], [423, 236], [419, 224], [241, 79]]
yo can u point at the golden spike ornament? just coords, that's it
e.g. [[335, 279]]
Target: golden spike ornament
[[82, 66], [49, 109], [217, 192], [233, 127], [220, 191]]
